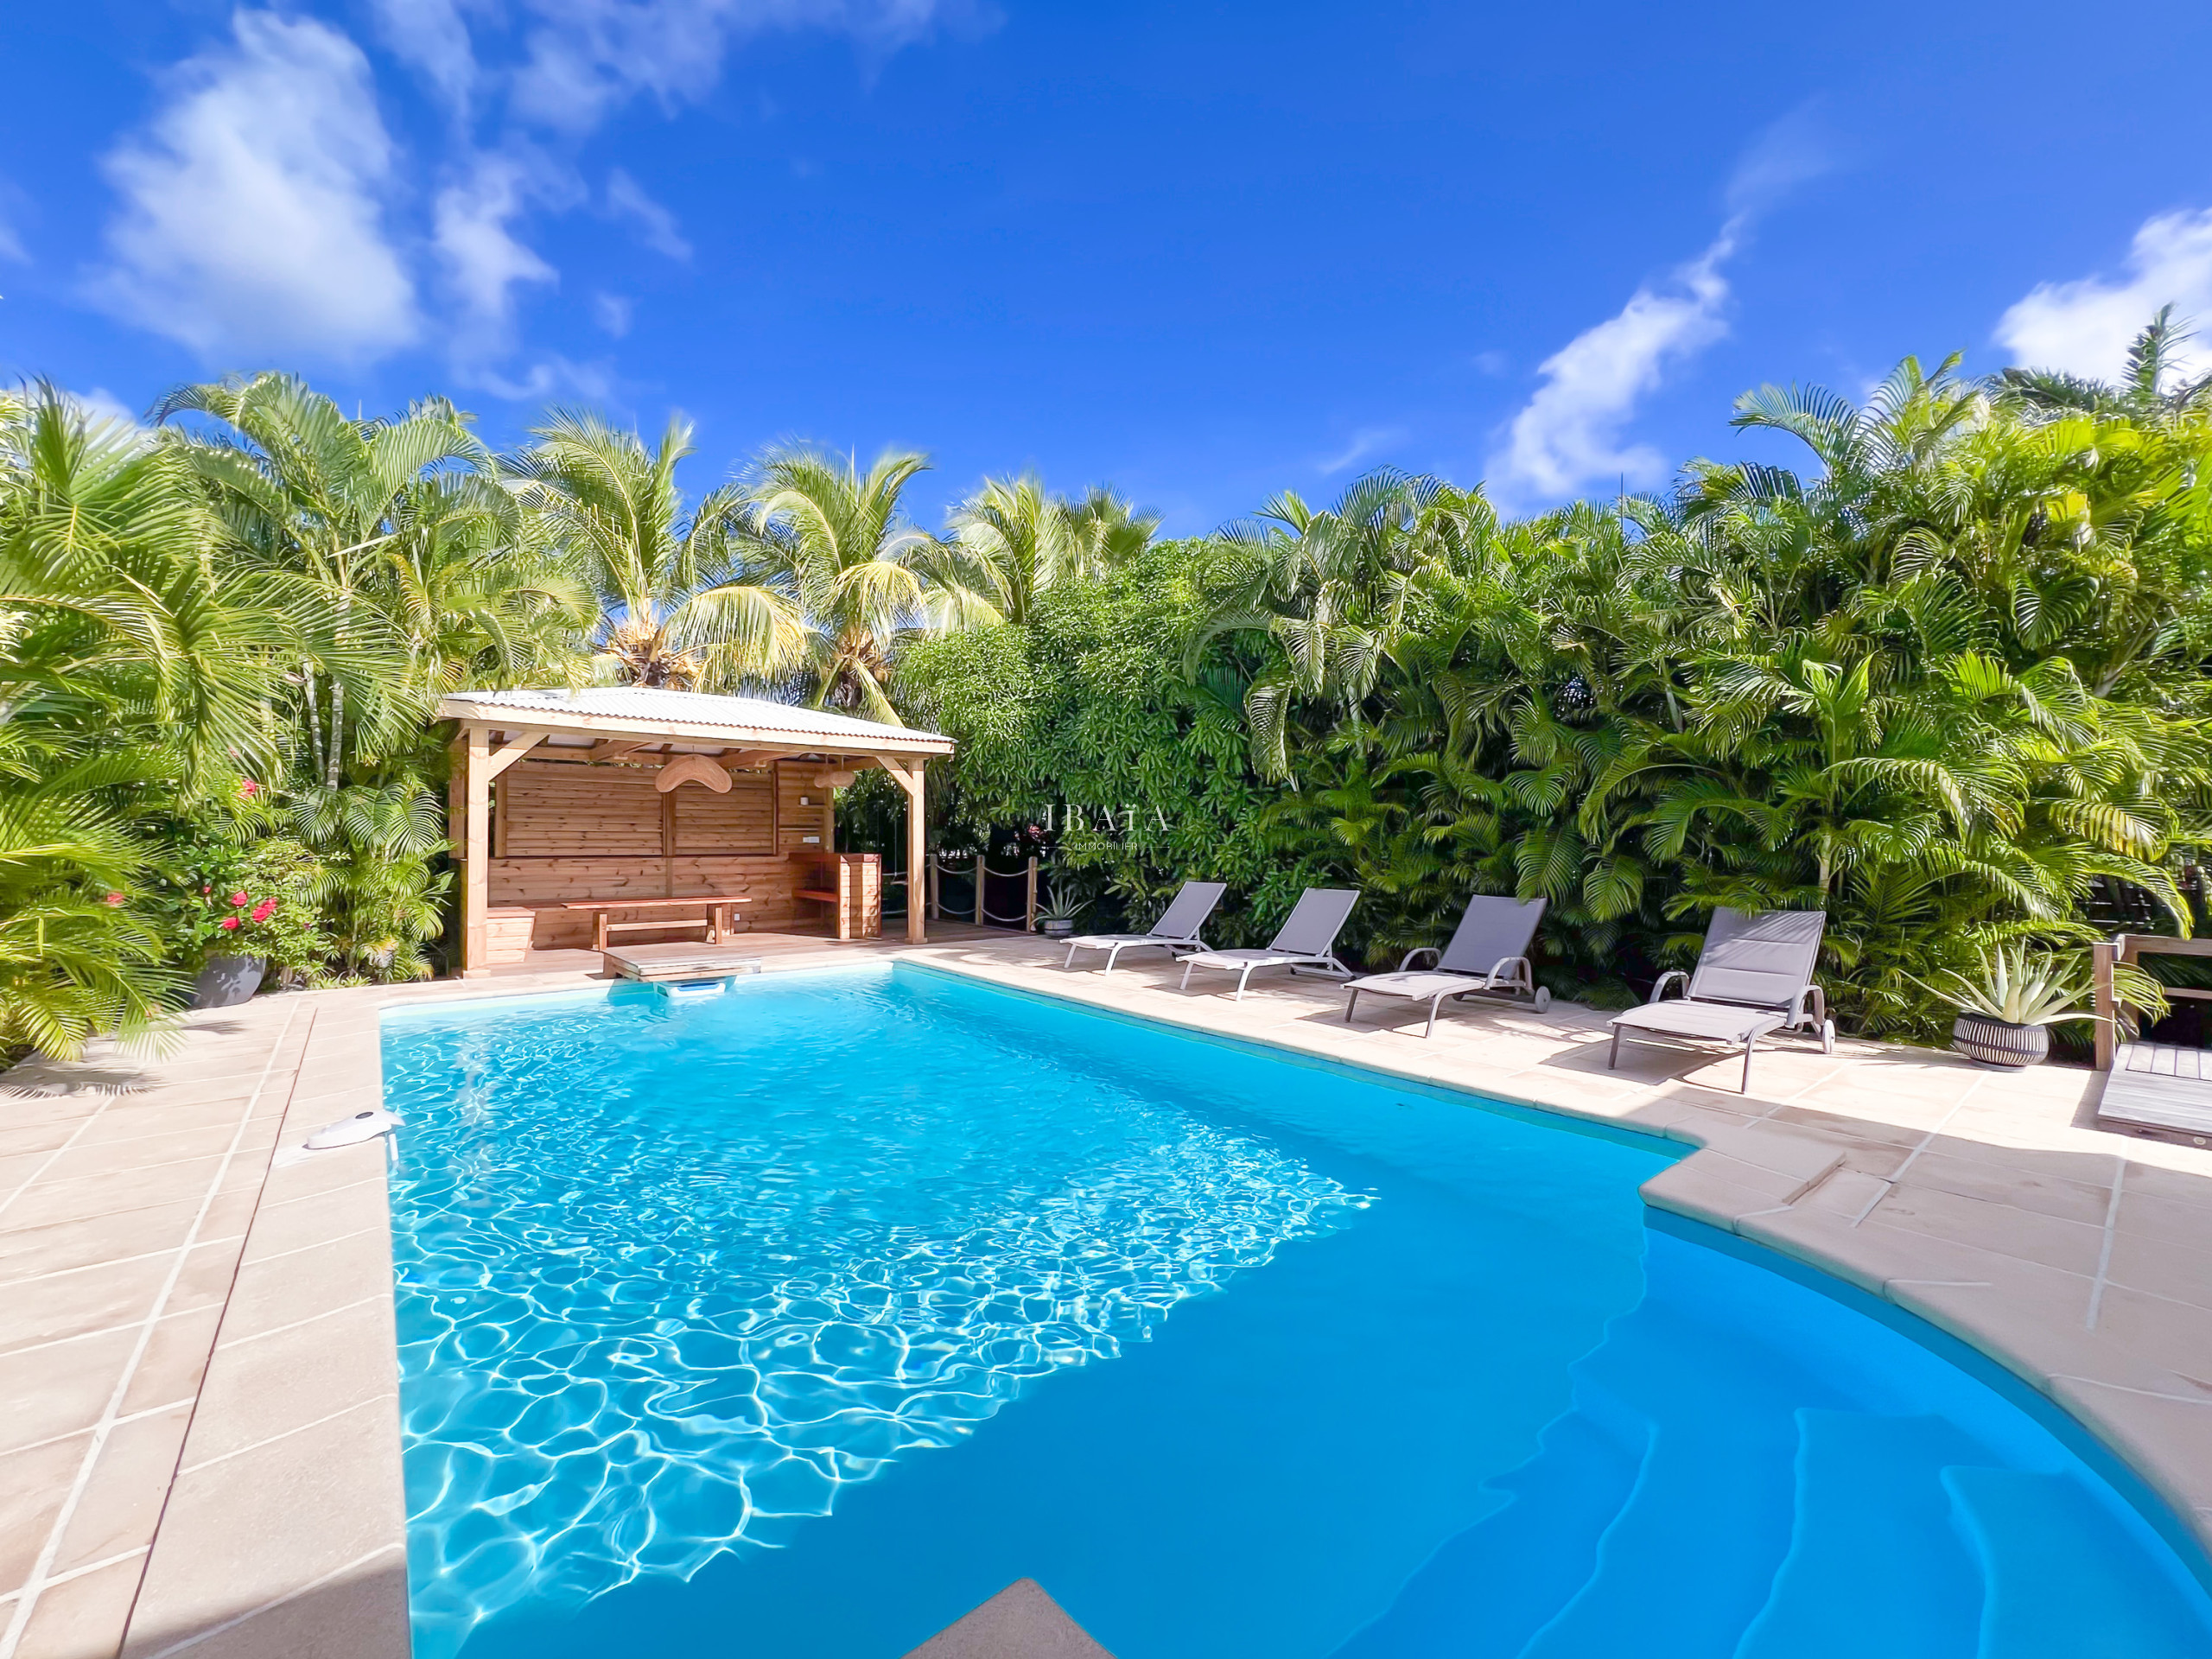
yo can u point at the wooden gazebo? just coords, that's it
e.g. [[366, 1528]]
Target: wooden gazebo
[[578, 811]]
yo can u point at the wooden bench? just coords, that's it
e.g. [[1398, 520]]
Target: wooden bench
[[720, 910]]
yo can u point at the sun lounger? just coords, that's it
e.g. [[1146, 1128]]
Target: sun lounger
[[1308, 940], [1176, 930], [1488, 956], [1754, 976]]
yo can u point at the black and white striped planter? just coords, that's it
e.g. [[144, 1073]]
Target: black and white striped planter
[[1999, 1042]]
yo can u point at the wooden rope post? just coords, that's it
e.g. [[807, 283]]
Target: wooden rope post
[[1032, 926], [979, 889], [2101, 957]]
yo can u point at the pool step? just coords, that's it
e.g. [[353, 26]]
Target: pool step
[[1875, 1562], [1487, 1589], [2063, 1576]]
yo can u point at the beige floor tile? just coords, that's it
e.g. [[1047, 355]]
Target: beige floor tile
[[34, 1484], [2018, 1181], [69, 1305], [2151, 1216], [59, 1389], [240, 1533], [129, 1482], [82, 1619], [2175, 1334], [304, 1286], [360, 1614], [19, 1139], [1706, 1189], [2027, 1317], [2163, 1436], [278, 1384], [175, 1356], [31, 1252], [89, 1160], [2032, 1236], [49, 1202], [280, 1229]]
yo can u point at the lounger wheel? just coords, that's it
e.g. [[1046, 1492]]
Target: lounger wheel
[[1543, 998]]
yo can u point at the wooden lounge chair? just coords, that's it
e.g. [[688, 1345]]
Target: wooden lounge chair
[[1177, 929], [1488, 956], [1754, 976], [1307, 941]]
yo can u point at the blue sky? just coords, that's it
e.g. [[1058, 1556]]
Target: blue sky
[[1201, 252]]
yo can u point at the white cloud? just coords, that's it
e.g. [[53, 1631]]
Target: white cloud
[[252, 218], [588, 56], [2086, 327], [592, 382], [1367, 443], [612, 312], [1795, 150], [483, 260], [431, 36], [1570, 431], [627, 199]]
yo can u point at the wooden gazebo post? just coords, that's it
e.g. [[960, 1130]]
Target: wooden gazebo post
[[908, 772], [480, 763]]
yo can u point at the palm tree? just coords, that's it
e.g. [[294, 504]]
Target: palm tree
[[831, 542], [1011, 540], [322, 497], [136, 668], [2141, 393], [1329, 588], [678, 605]]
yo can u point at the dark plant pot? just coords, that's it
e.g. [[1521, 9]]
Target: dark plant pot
[[225, 981], [1058, 927], [1999, 1042]]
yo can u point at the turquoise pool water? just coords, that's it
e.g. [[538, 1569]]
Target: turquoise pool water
[[793, 1323]]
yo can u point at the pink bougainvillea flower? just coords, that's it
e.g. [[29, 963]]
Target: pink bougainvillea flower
[[261, 910], [239, 897], [205, 888], [114, 899], [249, 789], [229, 923]]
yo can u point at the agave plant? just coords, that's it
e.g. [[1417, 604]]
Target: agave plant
[[2017, 987]]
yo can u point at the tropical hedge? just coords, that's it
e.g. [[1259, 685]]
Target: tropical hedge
[[1945, 680]]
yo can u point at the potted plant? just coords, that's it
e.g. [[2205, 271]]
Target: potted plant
[[235, 912], [2005, 1013], [1057, 916]]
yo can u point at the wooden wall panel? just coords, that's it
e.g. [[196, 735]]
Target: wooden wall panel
[[743, 821], [552, 808], [794, 822]]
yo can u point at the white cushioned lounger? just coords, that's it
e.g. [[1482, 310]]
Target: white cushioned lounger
[[1176, 930], [1308, 940]]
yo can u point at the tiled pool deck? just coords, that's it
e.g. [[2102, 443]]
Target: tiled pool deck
[[199, 1448]]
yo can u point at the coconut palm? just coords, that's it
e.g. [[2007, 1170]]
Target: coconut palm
[[831, 542], [1012, 539], [316, 494], [678, 604]]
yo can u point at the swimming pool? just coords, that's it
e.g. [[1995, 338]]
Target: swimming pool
[[798, 1321]]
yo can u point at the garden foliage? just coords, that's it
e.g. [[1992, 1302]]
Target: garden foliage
[[1948, 682]]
